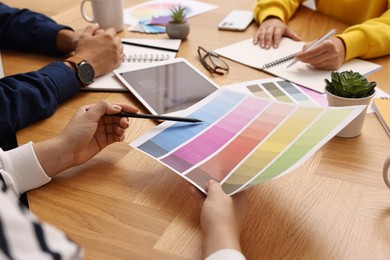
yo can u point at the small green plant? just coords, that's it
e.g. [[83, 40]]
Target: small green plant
[[178, 14], [349, 84]]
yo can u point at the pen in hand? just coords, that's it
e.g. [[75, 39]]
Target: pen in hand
[[158, 117], [316, 43]]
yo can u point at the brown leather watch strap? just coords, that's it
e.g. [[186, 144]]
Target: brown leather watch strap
[[75, 59]]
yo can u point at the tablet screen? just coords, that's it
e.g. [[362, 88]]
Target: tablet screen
[[169, 87]]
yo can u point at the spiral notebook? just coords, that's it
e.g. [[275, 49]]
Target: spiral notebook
[[381, 106], [138, 53], [274, 61]]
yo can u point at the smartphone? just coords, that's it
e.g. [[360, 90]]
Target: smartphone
[[236, 20]]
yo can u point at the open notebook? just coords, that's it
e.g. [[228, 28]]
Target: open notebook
[[139, 53], [273, 61]]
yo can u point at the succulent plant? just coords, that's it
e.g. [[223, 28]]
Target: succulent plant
[[349, 84], [178, 14]]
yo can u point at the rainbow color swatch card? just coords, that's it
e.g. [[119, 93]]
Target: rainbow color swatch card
[[152, 16], [243, 140]]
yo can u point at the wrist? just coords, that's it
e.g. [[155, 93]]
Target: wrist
[[71, 66], [65, 40], [84, 71], [53, 156], [220, 237]]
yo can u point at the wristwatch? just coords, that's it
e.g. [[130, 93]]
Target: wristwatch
[[84, 70]]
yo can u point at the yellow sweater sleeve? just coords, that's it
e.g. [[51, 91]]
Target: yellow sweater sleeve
[[369, 39], [283, 9]]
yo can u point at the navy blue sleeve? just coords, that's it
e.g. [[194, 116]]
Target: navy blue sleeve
[[22, 29], [29, 97]]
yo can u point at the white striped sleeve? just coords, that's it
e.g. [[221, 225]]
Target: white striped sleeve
[[22, 235]]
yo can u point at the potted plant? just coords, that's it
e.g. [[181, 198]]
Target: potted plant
[[178, 27], [350, 88]]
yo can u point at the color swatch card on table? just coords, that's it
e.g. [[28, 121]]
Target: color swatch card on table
[[280, 90], [285, 91], [243, 139], [273, 61], [152, 16], [138, 53], [381, 106]]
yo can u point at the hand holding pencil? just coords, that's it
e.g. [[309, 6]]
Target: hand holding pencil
[[326, 53]]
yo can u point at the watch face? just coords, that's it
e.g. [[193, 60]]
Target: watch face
[[86, 73]]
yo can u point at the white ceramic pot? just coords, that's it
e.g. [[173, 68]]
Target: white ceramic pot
[[178, 30], [354, 128]]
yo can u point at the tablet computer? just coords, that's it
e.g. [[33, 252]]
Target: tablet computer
[[167, 86]]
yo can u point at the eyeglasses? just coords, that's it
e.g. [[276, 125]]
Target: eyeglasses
[[212, 62]]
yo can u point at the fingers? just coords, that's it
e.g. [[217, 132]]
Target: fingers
[[97, 111], [112, 127], [214, 189], [325, 56], [100, 109], [129, 108], [292, 34], [109, 31], [90, 29], [266, 42], [277, 37], [271, 32]]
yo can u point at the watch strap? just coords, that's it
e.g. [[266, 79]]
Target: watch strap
[[75, 60]]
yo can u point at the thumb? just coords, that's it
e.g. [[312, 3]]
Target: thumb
[[293, 35], [90, 29], [213, 189]]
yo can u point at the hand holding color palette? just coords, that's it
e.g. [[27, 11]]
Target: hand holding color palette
[[244, 140]]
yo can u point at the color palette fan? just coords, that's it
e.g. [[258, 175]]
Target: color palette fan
[[243, 140]]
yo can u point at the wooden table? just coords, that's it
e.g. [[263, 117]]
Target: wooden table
[[124, 205]]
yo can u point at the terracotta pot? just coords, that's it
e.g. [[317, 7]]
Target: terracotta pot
[[354, 128], [178, 30]]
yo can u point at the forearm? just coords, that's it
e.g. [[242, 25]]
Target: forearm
[[66, 41], [29, 97], [53, 156], [24, 30], [368, 40], [220, 237]]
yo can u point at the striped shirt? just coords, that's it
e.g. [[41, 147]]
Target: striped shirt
[[22, 235]]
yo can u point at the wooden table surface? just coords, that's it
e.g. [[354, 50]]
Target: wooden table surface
[[124, 205]]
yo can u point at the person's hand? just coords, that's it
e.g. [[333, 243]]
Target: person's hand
[[271, 32], [101, 48], [328, 55], [222, 218], [67, 40], [89, 131]]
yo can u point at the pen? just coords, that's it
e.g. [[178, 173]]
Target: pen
[[158, 117], [149, 46], [319, 41]]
